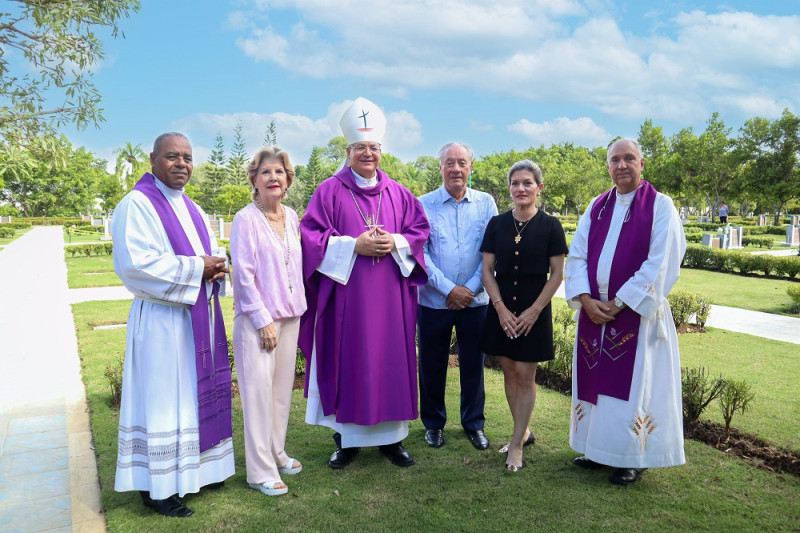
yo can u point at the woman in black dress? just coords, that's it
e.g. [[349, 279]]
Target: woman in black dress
[[520, 247]]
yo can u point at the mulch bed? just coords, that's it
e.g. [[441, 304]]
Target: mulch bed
[[745, 446]]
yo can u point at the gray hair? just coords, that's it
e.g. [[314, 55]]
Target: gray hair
[[530, 166], [447, 146], [160, 139], [632, 141]]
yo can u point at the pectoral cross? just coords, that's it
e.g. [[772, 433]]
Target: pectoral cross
[[372, 225], [517, 239]]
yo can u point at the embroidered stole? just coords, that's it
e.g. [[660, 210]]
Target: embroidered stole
[[211, 362], [605, 363]]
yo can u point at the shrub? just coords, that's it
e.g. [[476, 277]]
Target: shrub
[[699, 390], [735, 397], [113, 373], [758, 242], [794, 293], [702, 308], [787, 266], [7, 233], [563, 342], [681, 304], [300, 363]]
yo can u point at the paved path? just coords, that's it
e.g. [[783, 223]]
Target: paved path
[[48, 473]]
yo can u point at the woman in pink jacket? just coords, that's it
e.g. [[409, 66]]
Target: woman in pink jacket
[[268, 301]]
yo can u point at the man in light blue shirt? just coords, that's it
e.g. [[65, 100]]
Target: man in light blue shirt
[[453, 297]]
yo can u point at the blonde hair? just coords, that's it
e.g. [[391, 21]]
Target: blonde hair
[[266, 153]]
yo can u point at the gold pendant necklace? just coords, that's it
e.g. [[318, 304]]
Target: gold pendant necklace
[[519, 231]]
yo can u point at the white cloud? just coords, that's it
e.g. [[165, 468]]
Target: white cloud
[[581, 131], [477, 125], [560, 51], [297, 134]]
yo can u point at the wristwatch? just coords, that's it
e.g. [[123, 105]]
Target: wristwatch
[[619, 303]]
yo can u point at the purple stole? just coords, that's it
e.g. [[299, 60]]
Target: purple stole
[[213, 368], [605, 365]]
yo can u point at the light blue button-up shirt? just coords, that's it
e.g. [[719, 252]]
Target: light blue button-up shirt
[[452, 252]]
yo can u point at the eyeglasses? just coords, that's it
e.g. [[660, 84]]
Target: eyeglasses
[[361, 148]]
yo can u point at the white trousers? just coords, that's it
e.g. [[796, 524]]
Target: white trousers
[[265, 387]]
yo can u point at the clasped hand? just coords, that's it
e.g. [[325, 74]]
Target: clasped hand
[[513, 325], [375, 243], [599, 312], [214, 268]]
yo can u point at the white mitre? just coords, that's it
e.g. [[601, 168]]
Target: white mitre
[[363, 121]]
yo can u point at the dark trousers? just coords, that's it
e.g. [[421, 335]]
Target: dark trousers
[[435, 330]]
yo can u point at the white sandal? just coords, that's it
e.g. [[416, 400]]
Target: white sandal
[[287, 469], [269, 489]]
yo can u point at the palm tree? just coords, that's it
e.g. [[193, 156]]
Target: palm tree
[[130, 162]]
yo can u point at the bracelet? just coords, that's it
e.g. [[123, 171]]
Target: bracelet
[[494, 303]]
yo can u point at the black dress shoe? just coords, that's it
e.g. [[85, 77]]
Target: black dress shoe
[[398, 455], [478, 439], [585, 462], [434, 438], [626, 476], [342, 457], [215, 486], [171, 506]]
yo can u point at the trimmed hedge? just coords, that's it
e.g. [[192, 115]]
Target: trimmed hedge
[[736, 262], [15, 225], [7, 233], [88, 250]]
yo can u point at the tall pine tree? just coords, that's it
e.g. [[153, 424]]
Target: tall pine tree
[[271, 138], [216, 176], [237, 173]]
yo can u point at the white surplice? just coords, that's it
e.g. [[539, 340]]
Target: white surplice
[[159, 444], [647, 430]]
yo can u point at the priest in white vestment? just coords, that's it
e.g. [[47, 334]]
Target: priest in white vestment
[[161, 451], [623, 261]]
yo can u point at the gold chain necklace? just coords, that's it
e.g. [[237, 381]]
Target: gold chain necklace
[[284, 241], [519, 231]]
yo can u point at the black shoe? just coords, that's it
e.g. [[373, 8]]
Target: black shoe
[[626, 476], [585, 462], [478, 439], [215, 486], [398, 455], [171, 506], [434, 438], [342, 457]]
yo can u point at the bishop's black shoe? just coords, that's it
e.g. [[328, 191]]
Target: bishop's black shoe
[[342, 456], [398, 455]]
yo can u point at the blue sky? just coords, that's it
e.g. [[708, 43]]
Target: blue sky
[[496, 75]]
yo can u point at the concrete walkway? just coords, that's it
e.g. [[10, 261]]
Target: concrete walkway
[[48, 472]]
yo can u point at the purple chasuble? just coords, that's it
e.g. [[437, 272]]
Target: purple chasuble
[[213, 368], [605, 365], [364, 330]]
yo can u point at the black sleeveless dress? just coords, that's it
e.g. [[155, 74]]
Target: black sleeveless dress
[[521, 271]]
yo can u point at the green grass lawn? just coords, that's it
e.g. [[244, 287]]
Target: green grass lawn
[[17, 234], [771, 367], [744, 292], [457, 488], [81, 236], [95, 271]]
